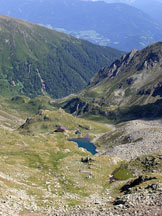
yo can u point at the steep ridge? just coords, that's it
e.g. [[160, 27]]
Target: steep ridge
[[134, 79], [34, 59]]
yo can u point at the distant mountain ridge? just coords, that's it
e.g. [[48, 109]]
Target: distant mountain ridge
[[35, 60], [117, 25], [151, 7]]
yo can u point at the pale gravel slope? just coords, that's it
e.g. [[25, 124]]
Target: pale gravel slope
[[140, 137]]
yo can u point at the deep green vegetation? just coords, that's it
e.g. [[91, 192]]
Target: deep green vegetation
[[35, 60]]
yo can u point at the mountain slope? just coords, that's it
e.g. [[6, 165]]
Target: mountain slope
[[131, 87], [135, 79], [35, 60], [136, 76], [117, 25]]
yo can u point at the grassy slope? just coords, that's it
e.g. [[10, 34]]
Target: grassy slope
[[49, 157], [34, 59]]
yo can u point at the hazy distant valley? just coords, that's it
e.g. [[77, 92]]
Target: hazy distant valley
[[113, 100], [116, 25]]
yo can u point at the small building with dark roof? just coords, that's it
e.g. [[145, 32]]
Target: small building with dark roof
[[60, 129], [78, 132]]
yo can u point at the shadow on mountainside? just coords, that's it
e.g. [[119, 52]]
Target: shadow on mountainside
[[88, 109], [148, 112]]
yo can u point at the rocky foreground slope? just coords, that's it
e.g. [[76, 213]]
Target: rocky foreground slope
[[132, 139]]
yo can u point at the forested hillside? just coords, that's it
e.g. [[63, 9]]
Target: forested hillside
[[35, 60]]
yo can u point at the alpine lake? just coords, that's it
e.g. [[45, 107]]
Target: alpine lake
[[86, 144]]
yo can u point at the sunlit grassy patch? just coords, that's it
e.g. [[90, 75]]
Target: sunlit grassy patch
[[122, 173]]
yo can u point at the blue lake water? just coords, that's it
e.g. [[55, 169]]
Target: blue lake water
[[86, 144]]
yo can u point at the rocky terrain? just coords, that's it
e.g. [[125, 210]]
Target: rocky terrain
[[141, 202], [133, 139]]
